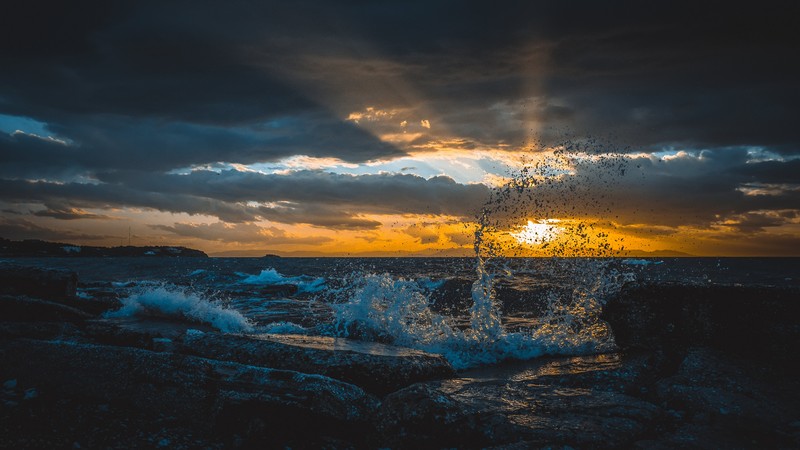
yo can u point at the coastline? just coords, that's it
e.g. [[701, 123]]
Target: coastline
[[163, 381]]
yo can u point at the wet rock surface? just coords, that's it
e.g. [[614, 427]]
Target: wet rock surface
[[757, 322], [377, 368], [508, 406], [717, 395], [71, 379], [37, 282], [22, 308], [194, 392]]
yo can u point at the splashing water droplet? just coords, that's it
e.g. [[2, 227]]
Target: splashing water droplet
[[542, 191]]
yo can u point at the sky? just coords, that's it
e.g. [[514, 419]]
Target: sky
[[384, 128]]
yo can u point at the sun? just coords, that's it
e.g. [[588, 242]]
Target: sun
[[537, 232]]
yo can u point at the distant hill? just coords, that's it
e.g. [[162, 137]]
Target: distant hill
[[462, 252], [655, 254], [37, 248]]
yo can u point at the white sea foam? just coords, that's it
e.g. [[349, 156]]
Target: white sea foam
[[640, 262], [197, 272], [398, 310], [430, 284], [271, 276], [283, 328], [173, 301]]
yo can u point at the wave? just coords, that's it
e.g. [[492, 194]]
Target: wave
[[282, 328], [176, 302], [640, 262], [398, 310], [267, 277]]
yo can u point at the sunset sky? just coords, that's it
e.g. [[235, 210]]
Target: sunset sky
[[380, 128]]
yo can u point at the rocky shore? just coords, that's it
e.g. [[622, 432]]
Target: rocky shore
[[697, 367]]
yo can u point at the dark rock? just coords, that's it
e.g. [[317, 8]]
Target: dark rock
[[96, 305], [629, 373], [138, 332], [38, 330], [513, 406], [377, 368], [734, 398], [195, 392], [754, 321], [51, 284], [108, 333], [698, 437], [26, 309]]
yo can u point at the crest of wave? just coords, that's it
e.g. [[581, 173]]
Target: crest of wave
[[397, 310], [179, 303]]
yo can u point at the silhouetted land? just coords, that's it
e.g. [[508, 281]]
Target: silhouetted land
[[37, 248]]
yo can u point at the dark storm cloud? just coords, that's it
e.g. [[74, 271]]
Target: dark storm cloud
[[146, 145], [698, 190], [157, 87], [383, 193], [18, 229], [655, 73], [131, 91], [102, 196], [241, 233], [677, 72], [317, 198], [772, 171], [755, 222], [317, 214], [68, 214]]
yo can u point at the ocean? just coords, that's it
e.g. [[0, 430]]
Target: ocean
[[475, 314]]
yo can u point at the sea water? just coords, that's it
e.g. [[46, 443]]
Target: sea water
[[487, 309], [549, 306]]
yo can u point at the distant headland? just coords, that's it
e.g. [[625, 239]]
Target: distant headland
[[37, 248]]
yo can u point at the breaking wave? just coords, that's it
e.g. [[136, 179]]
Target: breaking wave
[[271, 276], [176, 302], [398, 310]]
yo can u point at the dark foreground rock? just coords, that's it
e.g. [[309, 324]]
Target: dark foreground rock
[[758, 322], [52, 284], [377, 368], [73, 379], [39, 330], [513, 405], [218, 400], [27, 309], [725, 400]]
